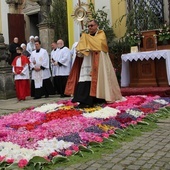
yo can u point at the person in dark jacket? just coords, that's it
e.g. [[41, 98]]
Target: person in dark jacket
[[12, 50]]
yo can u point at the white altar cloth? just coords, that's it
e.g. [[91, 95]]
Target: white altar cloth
[[126, 58]]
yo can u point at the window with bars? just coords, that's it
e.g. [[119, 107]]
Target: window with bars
[[144, 14]]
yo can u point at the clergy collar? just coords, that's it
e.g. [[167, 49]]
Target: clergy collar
[[62, 47], [94, 33], [38, 50]]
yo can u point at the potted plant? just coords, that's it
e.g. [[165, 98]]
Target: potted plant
[[164, 34], [133, 37]]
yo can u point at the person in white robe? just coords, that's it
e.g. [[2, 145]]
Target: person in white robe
[[73, 52], [41, 76], [63, 62], [31, 44], [36, 38], [53, 66]]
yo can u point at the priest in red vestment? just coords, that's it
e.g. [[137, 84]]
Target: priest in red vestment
[[20, 68]]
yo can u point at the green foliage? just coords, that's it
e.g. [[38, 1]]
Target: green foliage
[[134, 37], [139, 17], [85, 149], [118, 48], [142, 17], [59, 159], [58, 17], [104, 23], [164, 33]]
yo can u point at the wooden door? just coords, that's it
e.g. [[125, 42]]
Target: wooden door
[[16, 27]]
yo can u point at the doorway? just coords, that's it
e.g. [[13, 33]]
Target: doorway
[[34, 21]]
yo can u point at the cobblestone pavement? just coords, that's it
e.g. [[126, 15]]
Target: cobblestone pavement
[[151, 151]]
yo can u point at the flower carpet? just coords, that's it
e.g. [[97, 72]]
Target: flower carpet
[[54, 131]]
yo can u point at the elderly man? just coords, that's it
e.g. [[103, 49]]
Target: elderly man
[[41, 77], [92, 78], [62, 59]]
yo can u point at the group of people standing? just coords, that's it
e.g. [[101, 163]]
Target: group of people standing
[[41, 67], [89, 77]]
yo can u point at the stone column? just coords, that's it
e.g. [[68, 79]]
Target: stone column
[[46, 32], [44, 9], [7, 88], [13, 6]]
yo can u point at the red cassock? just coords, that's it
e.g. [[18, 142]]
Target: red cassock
[[22, 84], [18, 69]]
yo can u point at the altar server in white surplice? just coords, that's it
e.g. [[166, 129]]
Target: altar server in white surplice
[[53, 66], [63, 63], [73, 52], [41, 76]]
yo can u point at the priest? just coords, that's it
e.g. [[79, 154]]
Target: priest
[[62, 62], [41, 76], [92, 78]]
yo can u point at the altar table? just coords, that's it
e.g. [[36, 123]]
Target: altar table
[[133, 64]]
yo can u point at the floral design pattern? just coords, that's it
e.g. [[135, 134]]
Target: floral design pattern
[[58, 129]]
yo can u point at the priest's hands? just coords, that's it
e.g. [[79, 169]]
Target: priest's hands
[[34, 62], [37, 68], [55, 63], [79, 54]]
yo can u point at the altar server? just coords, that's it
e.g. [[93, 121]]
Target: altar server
[[54, 67], [63, 62], [41, 76], [20, 68]]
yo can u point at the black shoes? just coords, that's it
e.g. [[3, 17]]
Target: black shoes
[[37, 98], [81, 106], [63, 95]]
